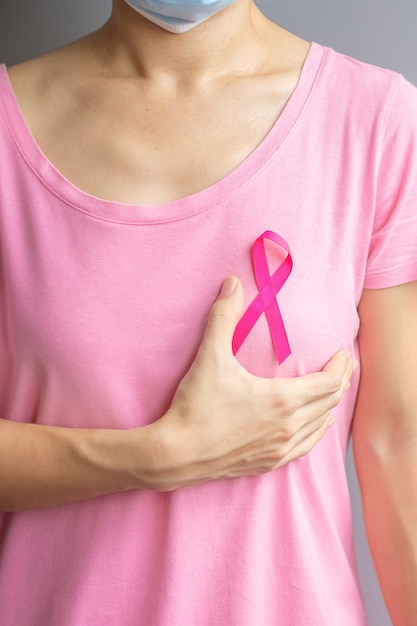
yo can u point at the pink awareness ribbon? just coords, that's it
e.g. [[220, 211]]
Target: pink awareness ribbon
[[266, 300]]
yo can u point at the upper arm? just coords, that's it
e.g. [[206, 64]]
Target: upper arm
[[386, 409]]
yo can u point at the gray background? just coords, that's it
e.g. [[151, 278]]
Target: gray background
[[382, 32]]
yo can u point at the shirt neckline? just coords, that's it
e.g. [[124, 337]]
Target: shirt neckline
[[186, 207]]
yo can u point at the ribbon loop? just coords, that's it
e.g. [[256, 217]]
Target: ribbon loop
[[266, 300]]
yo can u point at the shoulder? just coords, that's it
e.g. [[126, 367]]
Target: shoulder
[[55, 67], [349, 72], [363, 101], [46, 83], [363, 85]]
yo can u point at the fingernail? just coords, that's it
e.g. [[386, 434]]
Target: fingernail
[[355, 365], [229, 286]]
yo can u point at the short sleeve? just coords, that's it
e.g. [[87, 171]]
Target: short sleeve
[[392, 258]]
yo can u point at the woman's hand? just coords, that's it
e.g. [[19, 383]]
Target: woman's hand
[[225, 422]]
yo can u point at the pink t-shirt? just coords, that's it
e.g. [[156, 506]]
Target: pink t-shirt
[[102, 308]]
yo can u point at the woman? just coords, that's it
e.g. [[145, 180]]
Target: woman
[[140, 165]]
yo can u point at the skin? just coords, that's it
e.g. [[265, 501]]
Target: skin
[[157, 95]]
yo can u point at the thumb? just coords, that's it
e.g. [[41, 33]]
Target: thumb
[[224, 315]]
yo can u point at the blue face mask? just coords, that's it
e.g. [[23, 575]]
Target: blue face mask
[[178, 16]]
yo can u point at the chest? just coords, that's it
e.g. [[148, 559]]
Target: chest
[[129, 144], [123, 305]]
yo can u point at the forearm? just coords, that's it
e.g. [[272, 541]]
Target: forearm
[[223, 423], [387, 471], [42, 466]]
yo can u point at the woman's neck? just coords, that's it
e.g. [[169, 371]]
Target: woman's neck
[[234, 41]]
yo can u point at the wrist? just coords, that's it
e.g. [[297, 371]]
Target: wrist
[[149, 457], [166, 463]]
